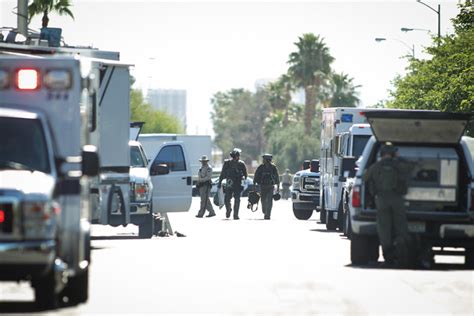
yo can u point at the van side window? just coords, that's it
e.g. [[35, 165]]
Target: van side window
[[173, 156]]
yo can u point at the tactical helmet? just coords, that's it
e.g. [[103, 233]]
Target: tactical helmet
[[235, 152], [267, 156], [276, 196], [388, 149]]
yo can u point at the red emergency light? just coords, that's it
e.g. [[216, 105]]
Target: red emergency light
[[2, 216], [27, 79]]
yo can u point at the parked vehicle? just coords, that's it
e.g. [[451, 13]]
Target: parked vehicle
[[343, 134], [196, 146], [305, 192], [440, 198], [46, 163]]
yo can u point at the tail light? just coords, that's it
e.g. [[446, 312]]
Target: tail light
[[356, 201], [2, 216], [39, 219], [141, 191]]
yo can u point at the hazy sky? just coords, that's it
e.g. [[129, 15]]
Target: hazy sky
[[211, 46]]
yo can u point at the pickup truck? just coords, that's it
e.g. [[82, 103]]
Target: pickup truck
[[440, 198]]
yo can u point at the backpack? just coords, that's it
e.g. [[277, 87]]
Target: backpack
[[254, 198], [391, 179]]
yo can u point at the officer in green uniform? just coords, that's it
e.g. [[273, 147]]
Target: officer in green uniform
[[234, 171], [387, 183], [266, 176]]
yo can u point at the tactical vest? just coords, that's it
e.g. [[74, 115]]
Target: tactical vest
[[389, 178]]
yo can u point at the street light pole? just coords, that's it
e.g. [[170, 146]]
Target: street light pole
[[438, 12], [411, 48]]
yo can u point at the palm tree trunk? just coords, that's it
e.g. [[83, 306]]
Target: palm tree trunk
[[45, 20], [310, 109]]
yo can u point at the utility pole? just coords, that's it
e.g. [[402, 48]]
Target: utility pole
[[22, 17]]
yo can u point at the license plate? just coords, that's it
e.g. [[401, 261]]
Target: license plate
[[416, 227]]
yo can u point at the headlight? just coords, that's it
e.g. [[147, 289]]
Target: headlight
[[39, 218], [296, 183]]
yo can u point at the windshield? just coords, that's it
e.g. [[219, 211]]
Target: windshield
[[358, 144], [136, 158], [22, 145]]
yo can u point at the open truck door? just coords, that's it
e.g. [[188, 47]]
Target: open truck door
[[172, 186]]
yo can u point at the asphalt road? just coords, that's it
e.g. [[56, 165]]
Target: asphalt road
[[251, 266]]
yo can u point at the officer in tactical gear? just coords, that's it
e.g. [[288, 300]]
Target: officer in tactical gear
[[387, 183], [285, 184], [204, 184], [234, 171], [266, 176]]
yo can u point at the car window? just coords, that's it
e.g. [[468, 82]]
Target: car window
[[359, 142], [136, 157], [23, 143], [470, 145], [172, 156]]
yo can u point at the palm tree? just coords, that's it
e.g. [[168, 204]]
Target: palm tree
[[280, 95], [343, 91], [308, 68], [62, 7]]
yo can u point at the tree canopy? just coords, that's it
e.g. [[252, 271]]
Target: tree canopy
[[446, 81], [61, 7]]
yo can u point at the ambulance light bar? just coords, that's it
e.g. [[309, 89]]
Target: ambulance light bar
[[27, 79], [58, 79], [30, 79], [3, 79]]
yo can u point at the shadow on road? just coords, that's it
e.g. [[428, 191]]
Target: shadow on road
[[319, 230], [435, 267], [19, 307], [114, 237]]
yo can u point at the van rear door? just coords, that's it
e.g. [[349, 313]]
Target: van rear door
[[429, 127]]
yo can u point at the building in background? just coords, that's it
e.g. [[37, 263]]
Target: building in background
[[171, 101]]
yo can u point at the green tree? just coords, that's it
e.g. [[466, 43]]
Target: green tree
[[238, 118], [446, 81], [309, 66], [61, 7], [343, 91], [279, 93], [155, 121]]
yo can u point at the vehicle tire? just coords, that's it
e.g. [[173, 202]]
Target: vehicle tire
[[469, 258], [322, 211], [340, 216], [359, 250], [373, 248], [146, 229], [45, 291], [347, 225], [302, 214], [77, 288], [116, 200], [331, 223]]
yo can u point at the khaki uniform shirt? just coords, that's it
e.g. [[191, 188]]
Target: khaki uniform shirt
[[205, 173]]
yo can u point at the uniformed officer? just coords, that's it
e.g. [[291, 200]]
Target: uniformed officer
[[266, 176], [387, 183], [285, 184], [233, 171], [204, 183]]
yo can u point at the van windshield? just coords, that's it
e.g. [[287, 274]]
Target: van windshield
[[23, 145], [358, 144]]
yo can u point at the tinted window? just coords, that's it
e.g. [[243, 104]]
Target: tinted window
[[22, 145], [172, 156], [358, 144], [136, 157]]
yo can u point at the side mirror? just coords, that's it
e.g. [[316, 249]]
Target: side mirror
[[159, 169], [348, 167], [90, 161]]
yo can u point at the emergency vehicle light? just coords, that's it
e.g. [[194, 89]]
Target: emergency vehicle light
[[27, 79], [57, 79], [3, 79], [2, 216]]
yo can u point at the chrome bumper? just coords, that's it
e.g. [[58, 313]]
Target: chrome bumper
[[27, 252]]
